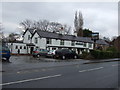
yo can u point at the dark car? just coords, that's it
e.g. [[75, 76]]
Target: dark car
[[5, 53], [65, 53], [39, 52]]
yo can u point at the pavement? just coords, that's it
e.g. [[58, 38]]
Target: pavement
[[19, 63], [101, 61]]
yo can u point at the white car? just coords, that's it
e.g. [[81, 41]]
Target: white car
[[51, 53]]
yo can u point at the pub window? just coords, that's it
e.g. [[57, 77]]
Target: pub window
[[49, 41], [16, 47], [62, 42], [24, 47], [36, 40], [85, 44], [28, 37], [73, 43], [79, 43], [20, 47]]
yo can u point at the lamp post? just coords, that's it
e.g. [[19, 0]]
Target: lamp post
[[95, 37]]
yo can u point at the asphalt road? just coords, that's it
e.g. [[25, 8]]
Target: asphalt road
[[96, 75]]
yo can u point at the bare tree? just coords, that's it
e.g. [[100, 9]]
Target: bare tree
[[55, 27], [66, 29], [59, 28], [46, 25], [27, 24], [78, 23], [42, 25]]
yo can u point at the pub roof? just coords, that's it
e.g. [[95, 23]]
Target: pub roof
[[51, 35]]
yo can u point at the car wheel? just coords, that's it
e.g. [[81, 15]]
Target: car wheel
[[38, 56], [75, 57], [63, 57], [33, 56], [53, 57]]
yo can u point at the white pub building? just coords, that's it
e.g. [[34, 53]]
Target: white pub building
[[33, 39]]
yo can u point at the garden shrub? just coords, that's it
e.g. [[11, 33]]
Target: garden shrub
[[84, 55], [97, 54]]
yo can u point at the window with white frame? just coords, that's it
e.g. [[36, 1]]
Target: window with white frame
[[72, 43], [48, 41], [90, 45], [36, 40], [62, 42]]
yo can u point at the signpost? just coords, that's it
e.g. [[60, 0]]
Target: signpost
[[95, 37]]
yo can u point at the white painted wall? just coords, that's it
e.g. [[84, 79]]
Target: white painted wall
[[25, 38], [12, 47], [55, 42], [67, 43], [41, 41]]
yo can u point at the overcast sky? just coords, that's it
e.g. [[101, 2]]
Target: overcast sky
[[98, 17]]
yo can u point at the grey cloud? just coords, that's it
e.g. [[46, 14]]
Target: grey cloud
[[97, 16]]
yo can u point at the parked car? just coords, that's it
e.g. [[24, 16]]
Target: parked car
[[51, 53], [39, 52], [65, 53], [5, 53]]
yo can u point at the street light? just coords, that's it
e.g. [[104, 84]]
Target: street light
[[95, 37]]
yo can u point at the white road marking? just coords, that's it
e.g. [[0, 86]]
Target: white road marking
[[91, 69], [95, 69], [83, 71], [115, 65], [22, 81]]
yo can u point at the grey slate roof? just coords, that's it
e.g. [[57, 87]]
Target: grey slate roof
[[102, 42], [52, 35]]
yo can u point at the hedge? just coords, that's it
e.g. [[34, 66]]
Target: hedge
[[97, 54]]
